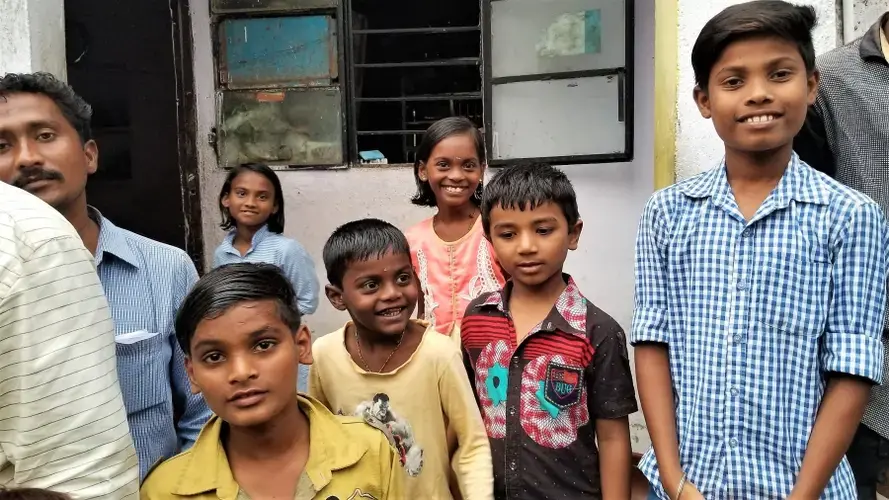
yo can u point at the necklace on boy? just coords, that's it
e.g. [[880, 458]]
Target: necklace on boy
[[364, 361]]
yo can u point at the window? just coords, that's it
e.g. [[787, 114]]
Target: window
[[322, 83], [558, 80]]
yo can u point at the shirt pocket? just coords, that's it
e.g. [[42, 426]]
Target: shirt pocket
[[142, 368], [793, 296]]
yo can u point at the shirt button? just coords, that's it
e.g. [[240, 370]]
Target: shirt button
[[742, 284], [737, 339], [512, 411], [733, 443], [515, 361], [512, 466], [747, 233], [735, 391]]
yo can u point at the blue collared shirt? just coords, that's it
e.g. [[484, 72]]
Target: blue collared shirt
[[755, 315], [273, 248], [145, 281]]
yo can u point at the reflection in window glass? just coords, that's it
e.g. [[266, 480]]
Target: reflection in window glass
[[221, 6], [293, 127]]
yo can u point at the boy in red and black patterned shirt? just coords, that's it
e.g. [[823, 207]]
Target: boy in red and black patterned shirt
[[550, 370]]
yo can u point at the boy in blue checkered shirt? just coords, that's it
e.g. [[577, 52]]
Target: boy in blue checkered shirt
[[760, 286]]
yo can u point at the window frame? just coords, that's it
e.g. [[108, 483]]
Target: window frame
[[216, 20], [624, 74]]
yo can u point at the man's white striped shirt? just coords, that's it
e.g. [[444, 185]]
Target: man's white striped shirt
[[63, 425]]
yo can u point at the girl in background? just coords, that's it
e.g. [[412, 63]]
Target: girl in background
[[452, 257], [252, 206]]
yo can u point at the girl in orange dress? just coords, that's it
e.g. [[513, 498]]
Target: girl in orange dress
[[452, 257]]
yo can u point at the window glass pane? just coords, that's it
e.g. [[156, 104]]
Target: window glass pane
[[224, 6], [264, 52], [530, 37], [577, 116], [288, 127]]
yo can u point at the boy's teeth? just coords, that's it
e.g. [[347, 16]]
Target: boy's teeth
[[760, 119]]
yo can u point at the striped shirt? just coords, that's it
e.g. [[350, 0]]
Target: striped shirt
[[755, 315], [145, 281], [273, 248], [62, 420]]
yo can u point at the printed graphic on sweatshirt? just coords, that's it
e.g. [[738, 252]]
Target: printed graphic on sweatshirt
[[356, 495], [491, 382], [554, 402], [377, 413]]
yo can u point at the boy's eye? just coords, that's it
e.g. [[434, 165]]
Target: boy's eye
[[506, 235], [471, 165], [212, 357], [46, 136], [442, 165], [782, 74], [4, 146], [370, 285], [264, 345], [544, 230], [404, 278], [733, 82]]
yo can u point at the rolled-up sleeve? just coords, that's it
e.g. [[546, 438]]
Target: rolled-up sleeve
[[851, 342], [650, 315]]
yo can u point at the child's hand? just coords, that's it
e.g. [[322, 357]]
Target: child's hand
[[690, 492]]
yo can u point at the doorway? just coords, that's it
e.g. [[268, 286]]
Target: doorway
[[131, 61]]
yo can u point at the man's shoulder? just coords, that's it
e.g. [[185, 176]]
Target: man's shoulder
[[836, 63], [28, 221], [153, 253]]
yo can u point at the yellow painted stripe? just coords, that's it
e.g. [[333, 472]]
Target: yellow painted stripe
[[666, 78]]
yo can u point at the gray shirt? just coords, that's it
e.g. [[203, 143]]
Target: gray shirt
[[847, 136]]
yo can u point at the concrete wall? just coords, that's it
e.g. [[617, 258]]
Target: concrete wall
[[611, 196], [32, 36], [698, 148]]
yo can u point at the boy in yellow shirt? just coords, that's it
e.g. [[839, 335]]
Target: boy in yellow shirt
[[243, 342], [399, 374]]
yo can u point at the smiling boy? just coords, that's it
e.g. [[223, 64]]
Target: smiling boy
[[550, 369], [244, 341], [760, 286], [399, 374]]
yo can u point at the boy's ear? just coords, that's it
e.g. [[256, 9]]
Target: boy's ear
[[189, 369], [335, 296], [304, 345], [813, 82], [703, 102], [574, 235]]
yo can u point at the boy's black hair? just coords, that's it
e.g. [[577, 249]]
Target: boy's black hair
[[276, 220], [31, 494], [526, 186], [437, 132], [360, 240], [760, 18], [73, 107], [232, 284]]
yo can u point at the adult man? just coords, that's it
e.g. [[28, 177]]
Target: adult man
[[62, 422], [47, 150], [847, 136]]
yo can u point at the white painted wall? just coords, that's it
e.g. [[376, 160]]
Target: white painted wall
[[611, 196], [698, 148], [32, 37]]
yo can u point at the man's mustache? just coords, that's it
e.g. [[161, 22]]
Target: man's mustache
[[33, 174]]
